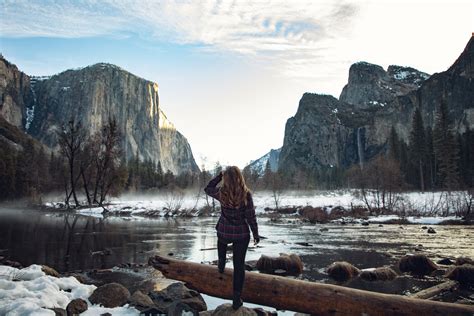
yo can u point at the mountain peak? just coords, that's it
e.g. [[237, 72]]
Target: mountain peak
[[464, 65]]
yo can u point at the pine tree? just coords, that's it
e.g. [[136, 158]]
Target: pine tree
[[430, 158], [417, 148], [446, 150], [393, 145]]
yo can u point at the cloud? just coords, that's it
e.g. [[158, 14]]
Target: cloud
[[291, 34]]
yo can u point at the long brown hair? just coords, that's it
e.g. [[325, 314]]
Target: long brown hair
[[233, 192]]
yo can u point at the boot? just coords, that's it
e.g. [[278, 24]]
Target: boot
[[236, 301], [221, 265]]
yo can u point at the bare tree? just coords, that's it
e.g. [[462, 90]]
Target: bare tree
[[71, 138]]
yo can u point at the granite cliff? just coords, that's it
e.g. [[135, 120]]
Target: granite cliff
[[92, 95], [328, 132]]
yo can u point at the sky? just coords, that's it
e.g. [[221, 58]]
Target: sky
[[232, 72]]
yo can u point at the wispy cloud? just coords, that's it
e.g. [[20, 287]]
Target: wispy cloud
[[293, 34]]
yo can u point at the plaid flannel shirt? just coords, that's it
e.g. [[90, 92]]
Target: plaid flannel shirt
[[233, 223]]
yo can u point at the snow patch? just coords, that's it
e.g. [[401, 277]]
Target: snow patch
[[29, 291]]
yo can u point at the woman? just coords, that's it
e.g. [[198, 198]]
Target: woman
[[237, 214]]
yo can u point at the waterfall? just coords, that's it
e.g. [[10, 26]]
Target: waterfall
[[360, 149], [30, 111]]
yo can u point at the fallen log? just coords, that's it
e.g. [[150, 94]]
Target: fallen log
[[301, 296], [435, 290]]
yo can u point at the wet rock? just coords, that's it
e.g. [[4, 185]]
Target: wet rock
[[305, 244], [314, 214], [463, 260], [59, 311], [179, 309], [152, 312], [445, 261], [178, 292], [291, 264], [463, 274], [140, 301], [365, 223], [227, 310], [50, 271], [106, 314], [431, 230], [342, 271], [424, 227], [76, 307], [110, 295], [324, 229], [380, 225], [417, 265], [378, 274]]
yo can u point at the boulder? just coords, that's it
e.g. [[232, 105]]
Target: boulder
[[140, 301], [418, 265], [342, 271], [110, 295], [462, 260], [76, 306], [49, 271], [179, 308], [290, 264], [445, 261], [178, 292], [431, 230], [463, 274], [314, 214], [378, 274], [227, 310]]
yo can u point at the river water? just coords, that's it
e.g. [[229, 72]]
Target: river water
[[68, 242]]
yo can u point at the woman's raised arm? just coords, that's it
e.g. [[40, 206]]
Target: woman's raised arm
[[211, 188]]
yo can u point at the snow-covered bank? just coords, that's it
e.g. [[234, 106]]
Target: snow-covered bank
[[30, 291], [413, 203]]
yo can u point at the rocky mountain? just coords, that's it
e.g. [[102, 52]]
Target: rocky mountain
[[328, 132], [92, 95], [258, 166], [15, 93]]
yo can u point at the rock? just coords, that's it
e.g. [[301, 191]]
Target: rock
[[110, 295], [95, 93], [445, 261], [424, 227], [431, 230], [76, 306], [227, 310], [464, 274], [290, 264], [305, 244], [15, 89], [324, 229], [326, 132], [178, 292], [49, 271], [79, 278], [380, 225], [342, 271], [106, 314], [59, 311], [140, 301], [314, 214], [462, 260], [179, 308], [418, 265], [365, 223], [378, 274]]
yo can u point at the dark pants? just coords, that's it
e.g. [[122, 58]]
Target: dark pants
[[239, 251]]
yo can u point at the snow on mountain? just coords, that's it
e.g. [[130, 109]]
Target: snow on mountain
[[259, 165]]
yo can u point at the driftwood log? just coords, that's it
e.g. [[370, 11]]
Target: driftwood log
[[301, 296], [435, 290]]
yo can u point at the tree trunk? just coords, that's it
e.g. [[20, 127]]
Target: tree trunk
[[422, 178], [302, 296]]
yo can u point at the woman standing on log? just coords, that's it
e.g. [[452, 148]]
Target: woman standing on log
[[237, 214]]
